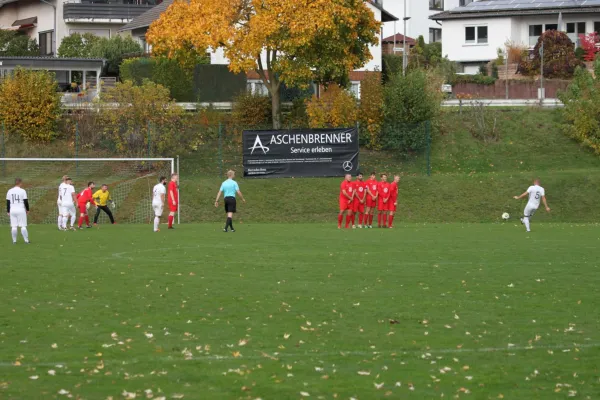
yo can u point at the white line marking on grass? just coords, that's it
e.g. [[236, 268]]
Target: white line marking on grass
[[277, 356]]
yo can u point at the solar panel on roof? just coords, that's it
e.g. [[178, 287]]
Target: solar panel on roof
[[512, 5]]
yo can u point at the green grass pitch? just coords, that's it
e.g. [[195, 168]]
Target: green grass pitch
[[290, 311]]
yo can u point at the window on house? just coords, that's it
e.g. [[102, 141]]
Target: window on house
[[435, 35], [551, 27], [465, 2], [45, 43], [257, 87], [355, 89], [535, 31], [597, 26], [482, 34], [476, 35], [470, 35], [574, 29], [436, 5]]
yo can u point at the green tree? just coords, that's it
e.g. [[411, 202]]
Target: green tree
[[15, 44], [114, 50], [77, 45], [581, 110], [30, 104]]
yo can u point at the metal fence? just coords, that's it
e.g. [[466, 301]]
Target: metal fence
[[210, 149]]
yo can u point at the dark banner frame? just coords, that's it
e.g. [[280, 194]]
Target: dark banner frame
[[300, 153]]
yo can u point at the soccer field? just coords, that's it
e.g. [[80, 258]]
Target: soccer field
[[302, 311]]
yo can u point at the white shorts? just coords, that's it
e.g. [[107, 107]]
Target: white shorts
[[67, 210], [158, 209], [530, 210], [18, 218]]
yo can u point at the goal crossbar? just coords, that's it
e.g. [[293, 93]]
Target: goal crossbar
[[171, 160]]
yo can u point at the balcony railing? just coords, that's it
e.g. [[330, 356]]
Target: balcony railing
[[106, 10]]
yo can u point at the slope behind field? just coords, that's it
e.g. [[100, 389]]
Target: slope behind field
[[471, 181]]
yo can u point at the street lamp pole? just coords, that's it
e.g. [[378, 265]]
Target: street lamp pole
[[54, 49], [404, 57]]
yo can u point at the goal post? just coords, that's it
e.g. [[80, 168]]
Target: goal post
[[130, 182]]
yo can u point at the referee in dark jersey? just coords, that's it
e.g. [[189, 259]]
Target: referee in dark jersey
[[229, 189]]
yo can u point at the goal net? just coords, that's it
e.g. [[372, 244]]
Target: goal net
[[130, 182]]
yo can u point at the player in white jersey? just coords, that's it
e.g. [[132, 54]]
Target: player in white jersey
[[59, 201], [158, 200], [68, 201], [17, 208], [536, 193]]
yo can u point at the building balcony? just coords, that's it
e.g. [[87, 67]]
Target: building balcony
[[106, 11]]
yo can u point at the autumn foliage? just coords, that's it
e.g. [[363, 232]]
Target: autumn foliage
[[29, 104], [335, 108], [589, 44], [370, 114], [560, 60], [284, 41]]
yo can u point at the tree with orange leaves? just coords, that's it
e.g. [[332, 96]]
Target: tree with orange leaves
[[291, 41]]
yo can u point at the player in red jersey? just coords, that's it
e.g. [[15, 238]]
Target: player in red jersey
[[173, 198], [393, 199], [383, 203], [371, 203], [86, 196], [360, 199], [346, 197]]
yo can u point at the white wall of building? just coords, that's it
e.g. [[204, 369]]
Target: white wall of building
[[455, 46], [502, 30], [419, 13]]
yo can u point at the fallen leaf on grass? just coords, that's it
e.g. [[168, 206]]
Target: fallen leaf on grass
[[304, 394], [378, 385], [236, 354], [177, 396], [33, 377], [54, 346], [63, 392], [286, 336], [52, 372], [128, 395], [148, 335], [364, 373], [242, 342]]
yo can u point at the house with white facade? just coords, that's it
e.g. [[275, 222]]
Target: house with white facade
[[472, 34], [49, 21], [418, 12]]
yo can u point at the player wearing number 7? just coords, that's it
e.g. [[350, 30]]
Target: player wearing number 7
[[535, 193]]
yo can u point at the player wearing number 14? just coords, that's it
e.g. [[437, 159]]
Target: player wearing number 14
[[17, 208]]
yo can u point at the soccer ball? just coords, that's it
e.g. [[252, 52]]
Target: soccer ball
[[505, 216]]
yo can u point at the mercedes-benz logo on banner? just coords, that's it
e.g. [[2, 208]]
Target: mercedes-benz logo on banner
[[347, 165]]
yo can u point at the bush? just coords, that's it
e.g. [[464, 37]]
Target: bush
[[410, 101], [15, 44], [336, 108], [114, 50], [392, 65], [483, 71], [370, 113], [494, 71], [483, 122], [559, 57], [297, 116], [581, 110], [251, 110], [77, 45], [589, 45], [479, 79], [145, 115], [30, 104], [580, 53]]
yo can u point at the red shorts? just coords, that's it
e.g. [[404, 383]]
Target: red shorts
[[357, 206], [383, 206], [345, 204], [82, 208], [370, 202], [391, 206], [172, 208]]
